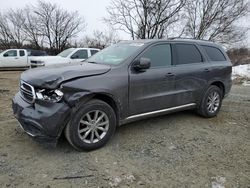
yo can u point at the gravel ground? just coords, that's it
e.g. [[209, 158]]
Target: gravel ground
[[176, 150]]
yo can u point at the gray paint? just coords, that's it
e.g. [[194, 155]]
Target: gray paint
[[133, 92]]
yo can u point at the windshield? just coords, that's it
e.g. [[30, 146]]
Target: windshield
[[65, 53], [115, 54]]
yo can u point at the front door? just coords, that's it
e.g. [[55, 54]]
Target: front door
[[79, 56], [10, 58], [152, 89]]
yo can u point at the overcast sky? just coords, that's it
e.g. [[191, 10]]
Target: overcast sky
[[92, 10]]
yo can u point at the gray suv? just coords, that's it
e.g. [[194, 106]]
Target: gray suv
[[125, 82]]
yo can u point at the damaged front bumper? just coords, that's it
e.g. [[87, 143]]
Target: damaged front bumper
[[44, 121]]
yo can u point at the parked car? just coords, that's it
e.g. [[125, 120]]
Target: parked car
[[17, 58], [32, 52], [14, 58], [128, 81], [71, 55]]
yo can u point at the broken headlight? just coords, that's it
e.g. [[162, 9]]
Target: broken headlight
[[49, 95]]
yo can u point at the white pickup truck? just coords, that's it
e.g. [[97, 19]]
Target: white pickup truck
[[71, 55], [14, 58], [18, 58]]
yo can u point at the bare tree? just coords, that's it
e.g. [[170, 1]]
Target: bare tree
[[144, 18], [215, 19], [11, 28], [33, 32], [41, 25], [57, 25], [100, 39]]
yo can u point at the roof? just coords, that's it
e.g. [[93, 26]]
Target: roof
[[145, 41]]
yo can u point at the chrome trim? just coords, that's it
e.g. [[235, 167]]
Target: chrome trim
[[26, 131], [163, 110], [22, 89]]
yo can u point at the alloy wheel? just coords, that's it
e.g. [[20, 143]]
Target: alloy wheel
[[93, 126], [213, 102]]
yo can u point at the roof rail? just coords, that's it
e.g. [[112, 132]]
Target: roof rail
[[186, 38]]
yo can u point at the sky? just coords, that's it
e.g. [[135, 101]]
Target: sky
[[92, 10]]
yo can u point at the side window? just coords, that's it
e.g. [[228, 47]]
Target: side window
[[80, 54], [92, 52], [21, 53], [160, 55], [187, 53], [10, 53], [214, 53]]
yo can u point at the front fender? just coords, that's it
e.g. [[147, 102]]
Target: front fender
[[76, 99], [72, 98]]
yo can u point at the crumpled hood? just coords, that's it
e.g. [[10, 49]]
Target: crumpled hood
[[51, 77]]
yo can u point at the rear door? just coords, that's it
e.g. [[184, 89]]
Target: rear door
[[219, 65], [152, 89], [190, 72], [22, 58]]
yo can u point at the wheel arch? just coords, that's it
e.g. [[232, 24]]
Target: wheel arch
[[109, 99], [220, 85], [83, 97]]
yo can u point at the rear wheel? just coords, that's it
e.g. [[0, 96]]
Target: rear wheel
[[211, 102], [91, 126]]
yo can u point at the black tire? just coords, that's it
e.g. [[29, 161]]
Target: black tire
[[203, 107], [72, 129]]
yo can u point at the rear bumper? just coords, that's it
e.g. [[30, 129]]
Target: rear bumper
[[42, 121]]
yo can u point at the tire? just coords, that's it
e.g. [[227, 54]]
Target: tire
[[207, 108], [83, 129]]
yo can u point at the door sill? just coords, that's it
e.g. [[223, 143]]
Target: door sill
[[161, 111]]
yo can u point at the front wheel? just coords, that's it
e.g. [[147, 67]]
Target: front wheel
[[211, 102], [91, 126]]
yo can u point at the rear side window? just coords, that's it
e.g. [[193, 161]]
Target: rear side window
[[214, 53], [159, 55], [21, 53], [92, 52], [187, 53]]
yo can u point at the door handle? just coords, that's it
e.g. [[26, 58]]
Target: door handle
[[16, 58], [170, 74]]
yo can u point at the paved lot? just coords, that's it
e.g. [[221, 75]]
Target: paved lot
[[177, 150]]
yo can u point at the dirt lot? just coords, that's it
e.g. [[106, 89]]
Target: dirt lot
[[177, 150]]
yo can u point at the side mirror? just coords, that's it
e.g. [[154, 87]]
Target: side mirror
[[5, 55], [142, 64]]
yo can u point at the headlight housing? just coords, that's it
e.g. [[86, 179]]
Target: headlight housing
[[49, 95]]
